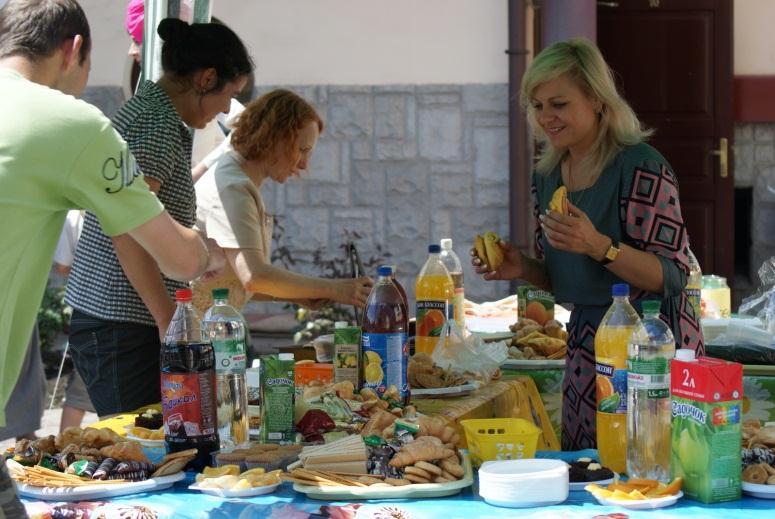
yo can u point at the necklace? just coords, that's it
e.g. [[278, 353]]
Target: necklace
[[570, 188]]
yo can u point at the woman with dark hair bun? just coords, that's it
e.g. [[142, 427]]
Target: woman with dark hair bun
[[121, 302]]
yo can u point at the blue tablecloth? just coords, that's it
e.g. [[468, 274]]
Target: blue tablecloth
[[179, 502]]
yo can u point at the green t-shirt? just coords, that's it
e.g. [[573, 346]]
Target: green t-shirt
[[56, 154]]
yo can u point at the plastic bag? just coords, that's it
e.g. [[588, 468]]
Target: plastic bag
[[468, 354], [756, 304]]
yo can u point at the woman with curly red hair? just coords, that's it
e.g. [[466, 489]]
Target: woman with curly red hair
[[273, 140]]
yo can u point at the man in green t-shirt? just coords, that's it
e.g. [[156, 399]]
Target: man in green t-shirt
[[56, 154]]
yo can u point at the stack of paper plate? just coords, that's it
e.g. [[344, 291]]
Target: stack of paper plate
[[524, 483]]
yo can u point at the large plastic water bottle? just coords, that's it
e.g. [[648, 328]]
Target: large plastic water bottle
[[611, 341], [226, 329], [648, 397], [455, 268]]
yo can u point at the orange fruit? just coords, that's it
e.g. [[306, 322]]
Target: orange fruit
[[431, 320], [603, 387]]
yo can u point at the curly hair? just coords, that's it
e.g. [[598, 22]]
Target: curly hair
[[273, 119]]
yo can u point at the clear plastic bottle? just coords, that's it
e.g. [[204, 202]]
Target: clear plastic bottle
[[611, 341], [188, 384], [384, 343], [434, 293], [651, 349], [770, 313], [694, 284], [455, 268], [226, 329]]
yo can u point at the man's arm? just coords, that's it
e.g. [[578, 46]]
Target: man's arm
[[180, 252]]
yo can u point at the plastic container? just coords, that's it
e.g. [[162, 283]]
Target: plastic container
[[434, 293], [651, 349], [455, 268], [491, 439], [524, 483], [611, 341], [188, 384], [226, 329], [384, 346], [716, 297]]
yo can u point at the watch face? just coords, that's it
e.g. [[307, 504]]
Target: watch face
[[612, 252]]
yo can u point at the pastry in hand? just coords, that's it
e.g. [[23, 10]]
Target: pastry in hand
[[488, 250], [559, 201]]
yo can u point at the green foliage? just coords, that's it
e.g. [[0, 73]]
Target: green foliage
[[53, 316]]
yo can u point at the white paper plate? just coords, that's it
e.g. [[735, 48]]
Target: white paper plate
[[579, 485], [422, 490], [248, 492], [760, 491], [89, 492], [461, 390], [533, 364], [494, 336], [641, 504]]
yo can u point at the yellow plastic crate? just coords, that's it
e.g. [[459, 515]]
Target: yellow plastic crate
[[492, 439]]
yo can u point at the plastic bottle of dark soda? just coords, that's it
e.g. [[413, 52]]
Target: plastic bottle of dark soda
[[188, 384], [384, 343]]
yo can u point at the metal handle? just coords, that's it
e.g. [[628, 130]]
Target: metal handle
[[723, 157]]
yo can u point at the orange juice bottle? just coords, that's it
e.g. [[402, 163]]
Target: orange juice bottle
[[434, 293], [611, 341]]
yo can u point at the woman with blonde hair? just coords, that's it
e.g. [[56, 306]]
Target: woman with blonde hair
[[622, 222], [273, 140]]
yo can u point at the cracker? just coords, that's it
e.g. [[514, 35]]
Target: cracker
[[397, 482], [428, 467], [416, 479], [416, 471]]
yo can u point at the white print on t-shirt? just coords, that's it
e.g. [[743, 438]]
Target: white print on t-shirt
[[124, 169]]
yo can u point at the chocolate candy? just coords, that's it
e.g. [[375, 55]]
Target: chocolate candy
[[104, 469]]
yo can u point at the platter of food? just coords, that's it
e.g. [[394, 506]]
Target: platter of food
[[533, 364], [229, 481], [758, 459], [638, 494], [81, 464], [330, 487], [760, 491], [429, 380]]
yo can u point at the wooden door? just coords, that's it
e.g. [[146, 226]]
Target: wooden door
[[673, 62]]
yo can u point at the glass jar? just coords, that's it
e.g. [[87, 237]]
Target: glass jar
[[716, 297]]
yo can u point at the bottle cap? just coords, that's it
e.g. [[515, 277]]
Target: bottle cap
[[183, 295], [620, 290], [651, 307], [434, 249], [220, 293], [446, 243], [384, 270], [285, 356], [685, 354], [341, 324]]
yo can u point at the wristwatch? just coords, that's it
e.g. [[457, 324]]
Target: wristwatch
[[611, 253]]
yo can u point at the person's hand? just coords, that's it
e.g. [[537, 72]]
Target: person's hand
[[573, 233], [216, 260], [352, 291], [513, 265]]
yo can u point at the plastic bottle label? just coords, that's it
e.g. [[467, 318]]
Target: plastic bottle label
[[611, 387], [385, 362], [652, 376], [229, 355], [188, 406], [431, 316]]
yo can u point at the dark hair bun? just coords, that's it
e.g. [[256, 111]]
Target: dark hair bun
[[173, 29]]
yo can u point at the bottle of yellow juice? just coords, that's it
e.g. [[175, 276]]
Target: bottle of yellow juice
[[434, 293]]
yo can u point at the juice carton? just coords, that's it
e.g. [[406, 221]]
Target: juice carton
[[706, 409], [277, 391], [347, 353], [534, 303]]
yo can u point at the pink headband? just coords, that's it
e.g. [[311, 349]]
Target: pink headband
[[134, 20]]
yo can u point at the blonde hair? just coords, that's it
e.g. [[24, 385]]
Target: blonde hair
[[582, 61]]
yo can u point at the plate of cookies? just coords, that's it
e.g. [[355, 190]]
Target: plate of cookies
[[418, 481]]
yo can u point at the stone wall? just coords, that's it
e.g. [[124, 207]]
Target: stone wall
[[755, 168], [403, 166]]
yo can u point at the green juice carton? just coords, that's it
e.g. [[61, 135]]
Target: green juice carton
[[706, 405], [277, 392], [347, 353]]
